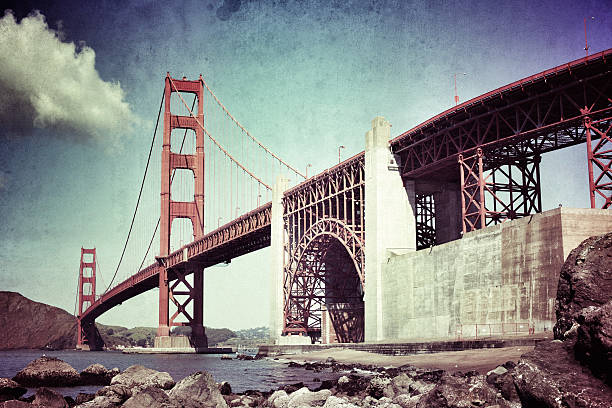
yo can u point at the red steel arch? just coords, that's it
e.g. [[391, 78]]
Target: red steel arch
[[321, 270]]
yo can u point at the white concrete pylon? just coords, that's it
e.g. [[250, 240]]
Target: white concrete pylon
[[389, 220]]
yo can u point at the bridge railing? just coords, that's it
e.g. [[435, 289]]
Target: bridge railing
[[245, 224], [480, 330]]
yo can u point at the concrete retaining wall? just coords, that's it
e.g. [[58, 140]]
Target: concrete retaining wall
[[497, 281]]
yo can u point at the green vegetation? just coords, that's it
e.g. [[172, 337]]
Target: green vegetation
[[114, 336]]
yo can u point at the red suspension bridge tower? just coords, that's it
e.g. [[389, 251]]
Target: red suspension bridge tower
[[192, 210], [87, 296]]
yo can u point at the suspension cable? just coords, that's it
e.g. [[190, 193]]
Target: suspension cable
[[144, 258], [139, 195], [247, 132], [213, 139]]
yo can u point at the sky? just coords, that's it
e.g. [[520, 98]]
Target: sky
[[81, 82]]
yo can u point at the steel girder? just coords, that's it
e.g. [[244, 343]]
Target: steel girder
[[544, 111], [599, 154], [425, 220], [324, 239]]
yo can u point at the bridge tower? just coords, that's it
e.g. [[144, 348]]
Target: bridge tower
[[87, 296], [192, 210]]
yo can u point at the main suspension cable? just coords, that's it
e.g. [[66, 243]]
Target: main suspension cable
[[139, 195]]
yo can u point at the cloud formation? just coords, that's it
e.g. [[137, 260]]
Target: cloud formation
[[51, 84]]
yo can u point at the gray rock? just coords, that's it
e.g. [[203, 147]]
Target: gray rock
[[47, 398], [406, 401], [549, 376], [113, 394], [278, 399], [336, 402], [585, 280], [10, 390], [96, 374], [15, 404], [594, 340], [306, 398], [47, 372], [459, 391], [149, 397], [225, 388], [377, 386], [142, 377], [197, 390]]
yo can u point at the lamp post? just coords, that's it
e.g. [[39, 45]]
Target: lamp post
[[307, 166], [586, 44], [457, 97], [339, 148]]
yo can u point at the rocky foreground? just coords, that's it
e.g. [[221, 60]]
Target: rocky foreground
[[572, 371]]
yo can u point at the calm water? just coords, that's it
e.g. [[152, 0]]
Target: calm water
[[261, 375]]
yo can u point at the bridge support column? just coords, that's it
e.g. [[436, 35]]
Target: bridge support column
[[389, 220], [277, 248], [439, 203], [598, 155]]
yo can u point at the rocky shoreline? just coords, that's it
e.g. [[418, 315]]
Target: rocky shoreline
[[572, 371]]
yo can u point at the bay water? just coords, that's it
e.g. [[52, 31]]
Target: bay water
[[261, 375]]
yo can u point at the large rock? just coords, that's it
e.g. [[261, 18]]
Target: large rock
[[549, 376], [278, 399], [306, 398], [47, 372], [149, 397], [197, 390], [108, 397], [10, 390], [97, 374], [594, 340], [454, 391], [49, 399], [137, 376], [585, 280]]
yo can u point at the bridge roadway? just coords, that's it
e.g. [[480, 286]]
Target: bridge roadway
[[537, 114]]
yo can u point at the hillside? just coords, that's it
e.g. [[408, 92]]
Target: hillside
[[32, 325], [29, 324]]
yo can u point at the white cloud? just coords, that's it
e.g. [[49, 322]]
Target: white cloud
[[51, 84]]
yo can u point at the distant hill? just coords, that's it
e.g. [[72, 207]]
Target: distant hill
[[29, 324], [26, 324], [248, 338]]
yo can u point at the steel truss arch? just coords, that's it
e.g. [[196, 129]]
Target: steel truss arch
[[304, 273]]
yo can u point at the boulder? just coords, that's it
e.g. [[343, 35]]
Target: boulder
[[142, 377], [150, 397], [49, 399], [97, 374], [278, 399], [462, 391], [501, 379], [47, 372], [549, 376], [306, 398], [10, 390], [352, 384], [406, 401], [83, 397], [584, 281], [225, 388], [197, 390], [336, 402], [377, 386], [109, 396], [594, 340]]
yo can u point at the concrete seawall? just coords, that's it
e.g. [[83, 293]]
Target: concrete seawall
[[499, 281]]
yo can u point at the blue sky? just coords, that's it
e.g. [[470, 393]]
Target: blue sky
[[80, 98]]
